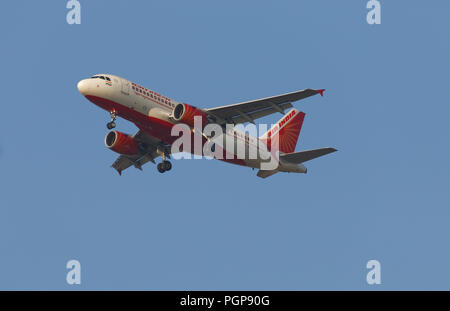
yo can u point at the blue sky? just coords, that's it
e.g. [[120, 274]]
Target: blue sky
[[207, 224]]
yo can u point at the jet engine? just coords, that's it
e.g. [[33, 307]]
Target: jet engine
[[185, 113], [121, 143]]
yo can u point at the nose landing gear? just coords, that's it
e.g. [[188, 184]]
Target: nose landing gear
[[112, 124]]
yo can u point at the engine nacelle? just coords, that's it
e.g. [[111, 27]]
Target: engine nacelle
[[185, 113], [121, 143]]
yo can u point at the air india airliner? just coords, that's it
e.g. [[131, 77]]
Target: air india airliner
[[156, 116]]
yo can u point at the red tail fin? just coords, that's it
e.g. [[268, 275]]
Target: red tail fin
[[286, 131]]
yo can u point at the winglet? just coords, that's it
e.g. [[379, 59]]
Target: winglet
[[120, 172], [321, 92]]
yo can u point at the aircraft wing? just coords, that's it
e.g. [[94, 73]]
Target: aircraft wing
[[252, 110], [148, 152]]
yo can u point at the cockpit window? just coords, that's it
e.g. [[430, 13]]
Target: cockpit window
[[107, 78], [100, 77]]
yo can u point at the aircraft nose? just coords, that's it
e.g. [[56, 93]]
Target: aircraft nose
[[83, 87]]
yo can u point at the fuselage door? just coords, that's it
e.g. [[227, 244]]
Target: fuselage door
[[125, 86]]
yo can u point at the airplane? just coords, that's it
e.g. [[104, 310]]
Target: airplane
[[155, 115]]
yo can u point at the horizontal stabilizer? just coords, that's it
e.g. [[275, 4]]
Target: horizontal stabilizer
[[265, 174], [303, 156]]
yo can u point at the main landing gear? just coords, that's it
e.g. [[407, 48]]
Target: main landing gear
[[164, 166], [112, 124]]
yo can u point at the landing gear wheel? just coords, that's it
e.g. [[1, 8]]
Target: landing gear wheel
[[160, 168], [167, 165], [111, 125]]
